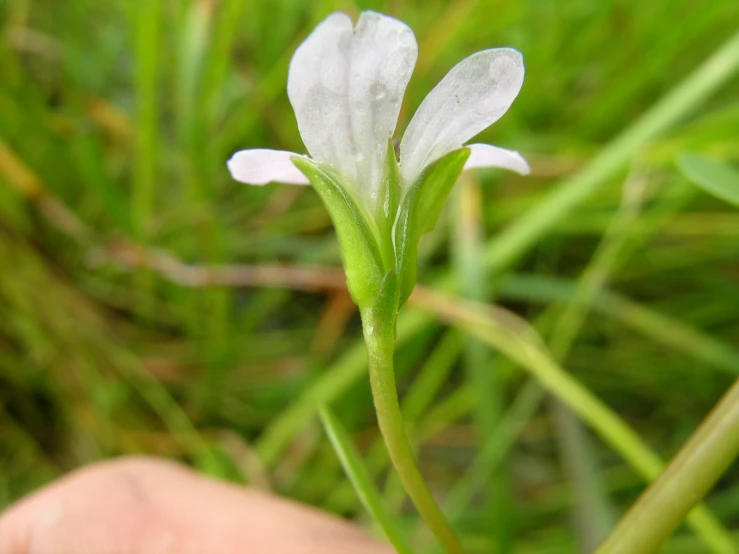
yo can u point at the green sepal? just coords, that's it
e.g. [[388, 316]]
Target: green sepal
[[359, 244], [419, 213], [387, 204], [379, 319]]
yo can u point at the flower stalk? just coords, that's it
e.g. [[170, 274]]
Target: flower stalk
[[378, 323]]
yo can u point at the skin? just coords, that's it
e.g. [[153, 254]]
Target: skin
[[150, 506]]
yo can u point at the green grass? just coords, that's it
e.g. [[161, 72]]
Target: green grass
[[115, 124]]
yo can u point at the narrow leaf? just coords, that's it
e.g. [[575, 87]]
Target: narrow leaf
[[715, 178], [360, 478], [359, 244]]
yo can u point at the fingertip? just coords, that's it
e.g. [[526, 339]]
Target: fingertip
[[16, 526]]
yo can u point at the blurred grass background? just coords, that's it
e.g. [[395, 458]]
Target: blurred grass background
[[116, 119]]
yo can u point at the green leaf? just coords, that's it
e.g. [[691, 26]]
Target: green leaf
[[361, 480], [359, 244], [715, 178], [419, 212]]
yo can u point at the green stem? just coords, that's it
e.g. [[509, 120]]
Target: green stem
[[687, 479], [380, 339]]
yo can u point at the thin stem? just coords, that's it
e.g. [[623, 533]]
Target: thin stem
[[380, 339], [687, 479]]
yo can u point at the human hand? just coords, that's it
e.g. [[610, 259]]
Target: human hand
[[149, 506]]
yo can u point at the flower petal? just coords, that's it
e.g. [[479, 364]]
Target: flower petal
[[260, 166], [486, 155], [470, 98], [346, 86]]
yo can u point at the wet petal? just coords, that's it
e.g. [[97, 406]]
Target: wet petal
[[260, 166], [485, 155], [470, 98], [346, 85]]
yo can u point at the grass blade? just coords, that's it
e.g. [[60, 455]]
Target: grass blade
[[518, 238], [713, 177], [482, 371], [514, 338], [360, 478]]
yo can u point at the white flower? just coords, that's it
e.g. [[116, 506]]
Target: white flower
[[346, 85]]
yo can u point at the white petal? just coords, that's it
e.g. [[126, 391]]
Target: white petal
[[259, 167], [485, 155], [346, 86], [472, 96]]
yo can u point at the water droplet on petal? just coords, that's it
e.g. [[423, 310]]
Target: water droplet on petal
[[379, 91]]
